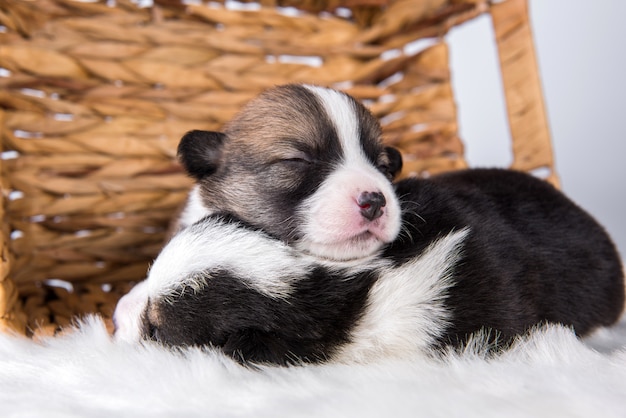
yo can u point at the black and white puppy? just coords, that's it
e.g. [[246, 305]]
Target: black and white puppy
[[295, 246]]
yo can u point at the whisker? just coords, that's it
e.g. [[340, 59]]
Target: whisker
[[292, 230], [409, 209]]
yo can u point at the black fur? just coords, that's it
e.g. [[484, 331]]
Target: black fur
[[532, 255], [252, 327], [395, 162], [200, 152]]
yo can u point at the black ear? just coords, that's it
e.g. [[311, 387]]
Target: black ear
[[395, 161], [200, 152]]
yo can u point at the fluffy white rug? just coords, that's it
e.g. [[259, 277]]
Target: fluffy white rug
[[86, 374]]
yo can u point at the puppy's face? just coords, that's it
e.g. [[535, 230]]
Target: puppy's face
[[304, 164]]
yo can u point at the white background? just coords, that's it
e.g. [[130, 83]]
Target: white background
[[581, 48]]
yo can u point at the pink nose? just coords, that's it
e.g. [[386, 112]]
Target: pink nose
[[371, 204]]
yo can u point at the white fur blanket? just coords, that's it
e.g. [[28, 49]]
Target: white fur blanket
[[86, 374]]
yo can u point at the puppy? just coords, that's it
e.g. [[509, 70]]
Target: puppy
[[296, 247]]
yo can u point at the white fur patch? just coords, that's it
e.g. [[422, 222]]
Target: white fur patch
[[194, 209], [405, 311], [268, 264], [341, 112], [128, 313]]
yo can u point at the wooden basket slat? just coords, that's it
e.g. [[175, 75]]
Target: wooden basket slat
[[532, 147]]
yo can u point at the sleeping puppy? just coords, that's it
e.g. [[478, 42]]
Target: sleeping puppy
[[295, 246]]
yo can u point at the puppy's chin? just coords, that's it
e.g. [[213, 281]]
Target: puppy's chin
[[360, 246], [347, 236]]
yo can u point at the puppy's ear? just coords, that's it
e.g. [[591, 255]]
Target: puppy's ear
[[395, 161], [200, 152]]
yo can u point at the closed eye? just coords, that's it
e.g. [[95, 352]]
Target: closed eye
[[297, 161], [299, 158]]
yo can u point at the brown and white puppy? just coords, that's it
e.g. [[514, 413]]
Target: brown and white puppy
[[295, 246]]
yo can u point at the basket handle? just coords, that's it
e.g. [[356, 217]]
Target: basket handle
[[532, 147]]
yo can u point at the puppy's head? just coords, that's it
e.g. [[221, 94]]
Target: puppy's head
[[304, 164]]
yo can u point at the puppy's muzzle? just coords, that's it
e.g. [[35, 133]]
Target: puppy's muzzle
[[371, 204]]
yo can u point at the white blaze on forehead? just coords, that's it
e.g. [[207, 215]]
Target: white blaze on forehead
[[267, 265], [341, 111]]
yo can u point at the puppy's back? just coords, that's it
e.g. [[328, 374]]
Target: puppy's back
[[532, 255]]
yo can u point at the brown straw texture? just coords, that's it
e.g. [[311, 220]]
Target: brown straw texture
[[94, 98], [532, 148]]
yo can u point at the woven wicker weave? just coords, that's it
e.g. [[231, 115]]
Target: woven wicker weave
[[94, 98]]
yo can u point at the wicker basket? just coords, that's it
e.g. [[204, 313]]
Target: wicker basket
[[95, 96]]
